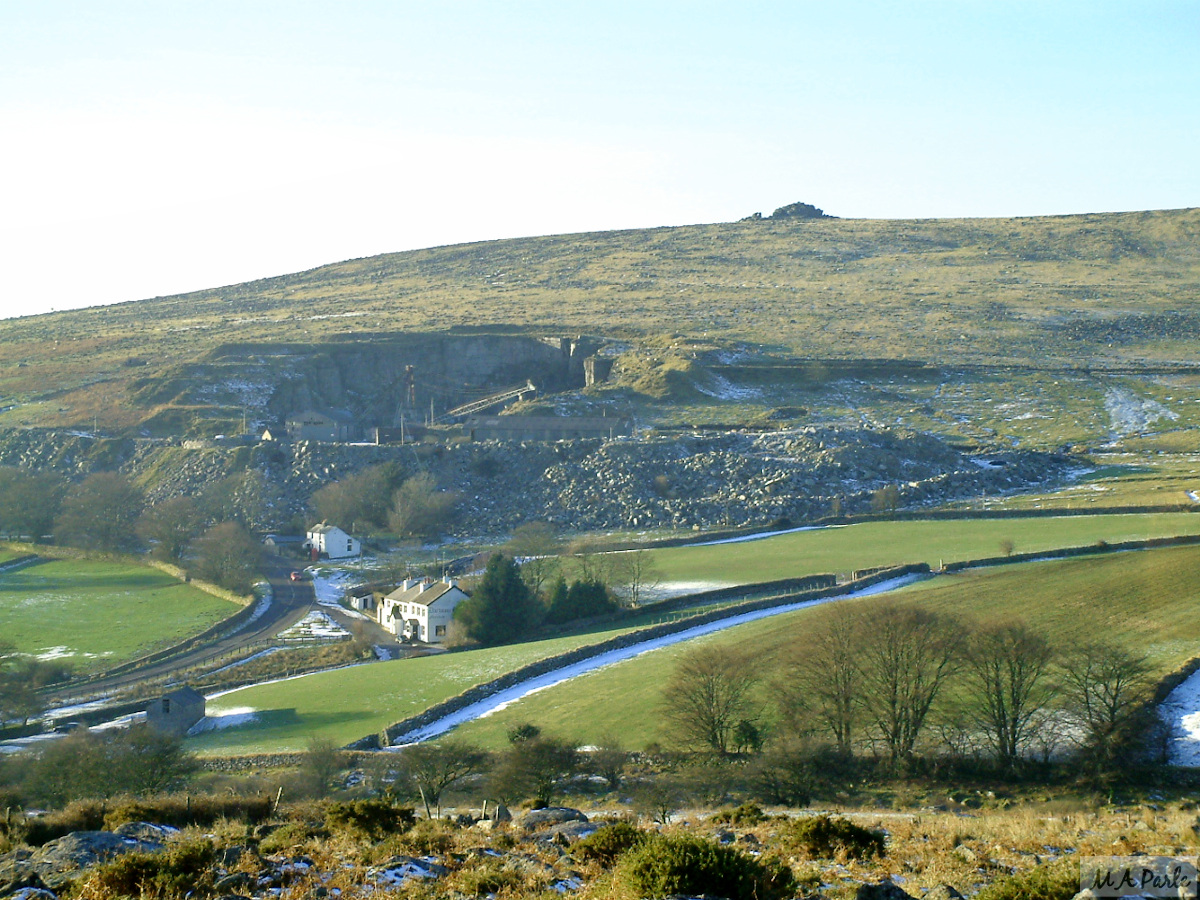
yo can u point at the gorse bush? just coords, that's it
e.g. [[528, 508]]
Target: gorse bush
[[610, 842], [821, 837], [180, 812], [81, 815], [1052, 882], [374, 819], [746, 814], [682, 864], [182, 870]]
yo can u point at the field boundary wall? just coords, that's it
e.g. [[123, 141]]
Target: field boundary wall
[[532, 670]]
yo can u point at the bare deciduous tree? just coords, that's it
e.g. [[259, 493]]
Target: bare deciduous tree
[[534, 768], [1104, 688], [536, 547], [1008, 677], [99, 512], [644, 576], [170, 526], [322, 760], [228, 555], [709, 693], [419, 508], [821, 678], [431, 770], [910, 655]]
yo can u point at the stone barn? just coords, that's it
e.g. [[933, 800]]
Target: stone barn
[[176, 712]]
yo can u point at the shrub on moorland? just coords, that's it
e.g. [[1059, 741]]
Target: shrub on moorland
[[822, 837], [180, 812], [746, 814], [80, 815], [1052, 882], [429, 837], [374, 819], [610, 841], [182, 869], [290, 835], [682, 864]]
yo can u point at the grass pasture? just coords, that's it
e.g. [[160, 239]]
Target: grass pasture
[[346, 704], [1146, 600], [843, 549], [97, 613]]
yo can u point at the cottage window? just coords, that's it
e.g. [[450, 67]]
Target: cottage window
[[439, 631], [166, 706]]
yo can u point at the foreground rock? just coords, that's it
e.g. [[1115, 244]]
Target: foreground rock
[[57, 863]]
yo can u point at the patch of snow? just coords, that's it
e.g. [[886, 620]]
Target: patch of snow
[[316, 626], [987, 463], [396, 876], [668, 589], [1129, 413], [330, 586], [250, 394], [46, 654], [723, 389], [1193, 496], [261, 607], [218, 719], [1181, 713], [761, 535]]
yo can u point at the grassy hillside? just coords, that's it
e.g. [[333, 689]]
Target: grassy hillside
[[346, 704], [1105, 289], [97, 614], [896, 543], [1142, 600], [350, 703]]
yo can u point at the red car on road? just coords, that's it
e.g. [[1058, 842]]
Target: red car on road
[[295, 576]]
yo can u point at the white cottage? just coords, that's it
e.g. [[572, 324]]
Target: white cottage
[[421, 610], [331, 541]]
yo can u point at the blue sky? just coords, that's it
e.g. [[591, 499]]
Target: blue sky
[[158, 147]]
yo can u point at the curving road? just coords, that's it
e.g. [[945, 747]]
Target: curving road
[[290, 602]]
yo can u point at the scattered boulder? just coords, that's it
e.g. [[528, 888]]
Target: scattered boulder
[[400, 870], [146, 831], [883, 890], [551, 815], [58, 861], [33, 893], [570, 831], [942, 892]]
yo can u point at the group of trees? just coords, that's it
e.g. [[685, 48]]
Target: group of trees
[[526, 586], [96, 765], [385, 498], [21, 677], [883, 679], [107, 512], [533, 766]]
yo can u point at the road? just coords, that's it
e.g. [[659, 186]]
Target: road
[[290, 602]]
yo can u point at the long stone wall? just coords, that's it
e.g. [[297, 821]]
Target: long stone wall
[[541, 667]]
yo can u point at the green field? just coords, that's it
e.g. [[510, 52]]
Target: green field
[[1148, 601], [98, 614], [1121, 479], [346, 704], [843, 549]]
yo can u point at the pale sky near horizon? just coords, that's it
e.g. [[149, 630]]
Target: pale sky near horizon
[[159, 147]]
